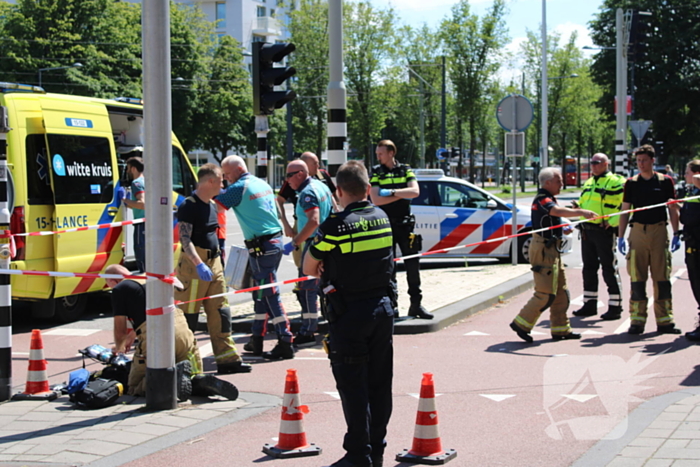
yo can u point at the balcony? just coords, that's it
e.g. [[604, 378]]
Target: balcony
[[267, 26]]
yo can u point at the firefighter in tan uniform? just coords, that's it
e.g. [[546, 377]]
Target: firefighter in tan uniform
[[649, 242], [545, 258], [200, 271]]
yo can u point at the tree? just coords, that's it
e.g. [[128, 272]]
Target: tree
[[308, 27], [666, 84], [415, 88], [369, 41], [224, 120], [472, 46]]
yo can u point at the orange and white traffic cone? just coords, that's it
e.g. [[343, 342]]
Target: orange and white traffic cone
[[37, 387], [292, 440], [427, 447]]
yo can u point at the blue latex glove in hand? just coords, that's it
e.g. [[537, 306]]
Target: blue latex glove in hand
[[622, 245], [675, 243], [121, 193], [204, 272], [288, 248], [384, 192]]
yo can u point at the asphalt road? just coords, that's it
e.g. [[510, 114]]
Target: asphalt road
[[502, 402]]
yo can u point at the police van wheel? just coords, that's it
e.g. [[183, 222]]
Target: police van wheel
[[70, 308], [524, 243]]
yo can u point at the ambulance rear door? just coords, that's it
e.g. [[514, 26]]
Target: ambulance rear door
[[84, 180]]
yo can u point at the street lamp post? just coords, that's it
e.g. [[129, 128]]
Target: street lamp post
[[75, 65]]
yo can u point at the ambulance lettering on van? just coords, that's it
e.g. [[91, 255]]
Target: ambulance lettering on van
[[65, 155]]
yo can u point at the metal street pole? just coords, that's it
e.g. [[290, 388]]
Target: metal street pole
[[337, 94], [443, 132], [621, 165], [5, 257], [544, 158], [160, 314]]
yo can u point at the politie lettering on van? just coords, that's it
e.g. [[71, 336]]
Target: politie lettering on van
[[65, 155]]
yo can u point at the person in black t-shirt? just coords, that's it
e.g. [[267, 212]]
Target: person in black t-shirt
[[649, 242], [200, 271]]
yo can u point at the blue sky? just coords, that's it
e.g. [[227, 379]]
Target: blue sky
[[563, 16]]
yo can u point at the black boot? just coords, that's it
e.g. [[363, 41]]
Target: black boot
[[192, 321], [589, 308], [184, 380], [693, 336], [210, 385], [233, 367], [418, 311], [254, 345], [613, 313], [282, 351]]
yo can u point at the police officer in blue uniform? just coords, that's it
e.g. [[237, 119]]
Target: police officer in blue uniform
[[690, 218], [393, 187], [352, 254], [253, 202]]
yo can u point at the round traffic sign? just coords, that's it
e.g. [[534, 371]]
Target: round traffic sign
[[514, 113]]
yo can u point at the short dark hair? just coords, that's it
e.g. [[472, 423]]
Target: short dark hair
[[647, 149], [135, 162], [352, 178], [694, 166], [388, 144], [208, 170]]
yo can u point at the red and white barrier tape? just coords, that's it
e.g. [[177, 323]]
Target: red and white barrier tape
[[4, 233], [581, 221], [171, 279]]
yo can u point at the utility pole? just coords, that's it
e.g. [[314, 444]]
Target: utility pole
[[160, 366], [544, 157], [443, 131], [621, 41]]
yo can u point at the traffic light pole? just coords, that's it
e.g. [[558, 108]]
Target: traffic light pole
[[337, 95], [262, 127], [622, 37], [160, 310]]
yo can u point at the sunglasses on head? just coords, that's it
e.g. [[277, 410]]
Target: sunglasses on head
[[291, 174], [596, 162]]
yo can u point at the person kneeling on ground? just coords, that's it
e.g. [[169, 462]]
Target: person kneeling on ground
[[129, 302]]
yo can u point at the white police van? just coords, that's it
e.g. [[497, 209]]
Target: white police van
[[451, 212]]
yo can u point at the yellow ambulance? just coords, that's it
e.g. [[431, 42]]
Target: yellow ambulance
[[65, 154]]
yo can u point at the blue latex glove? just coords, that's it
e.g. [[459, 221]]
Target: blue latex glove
[[288, 248], [384, 192], [622, 245], [675, 243], [121, 193], [204, 272]]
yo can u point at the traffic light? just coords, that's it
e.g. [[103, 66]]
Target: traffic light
[[266, 77], [457, 152], [640, 33]]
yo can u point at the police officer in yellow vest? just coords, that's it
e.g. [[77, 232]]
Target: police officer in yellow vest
[[545, 257], [601, 194], [649, 243], [690, 218]]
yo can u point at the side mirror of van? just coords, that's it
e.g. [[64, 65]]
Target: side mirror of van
[[491, 204]]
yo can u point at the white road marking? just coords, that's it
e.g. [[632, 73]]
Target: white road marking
[[497, 397], [592, 332], [476, 333], [206, 350], [311, 358], [20, 353], [560, 355], [70, 332], [580, 397], [538, 333], [334, 394]]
